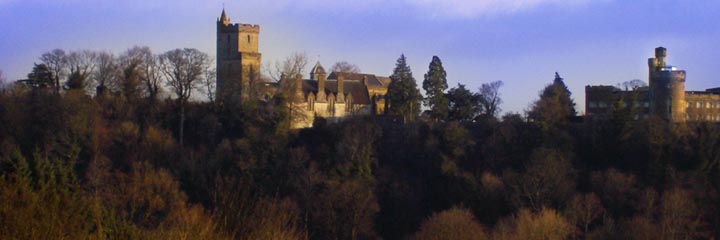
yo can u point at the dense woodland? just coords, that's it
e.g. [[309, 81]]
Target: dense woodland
[[113, 149]]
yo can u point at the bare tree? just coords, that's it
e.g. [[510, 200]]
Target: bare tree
[[56, 61], [2, 79], [344, 66], [152, 76], [82, 65], [632, 84], [209, 82], [130, 79], [107, 72], [454, 223], [286, 72], [583, 209], [141, 72], [290, 66], [184, 71], [490, 98]]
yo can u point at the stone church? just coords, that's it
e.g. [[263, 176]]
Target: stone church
[[332, 96]]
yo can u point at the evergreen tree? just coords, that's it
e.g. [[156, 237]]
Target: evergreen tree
[[555, 103], [435, 84], [403, 97], [40, 77], [463, 104]]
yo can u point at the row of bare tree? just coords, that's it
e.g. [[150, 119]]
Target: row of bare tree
[[134, 73]]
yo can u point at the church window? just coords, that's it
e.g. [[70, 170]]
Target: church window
[[248, 37], [311, 103]]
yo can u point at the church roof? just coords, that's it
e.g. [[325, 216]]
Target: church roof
[[350, 87], [373, 81], [318, 69]]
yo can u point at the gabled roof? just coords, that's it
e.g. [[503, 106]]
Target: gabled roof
[[318, 69], [350, 87], [373, 81]]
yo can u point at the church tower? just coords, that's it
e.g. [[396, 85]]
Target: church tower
[[238, 59]]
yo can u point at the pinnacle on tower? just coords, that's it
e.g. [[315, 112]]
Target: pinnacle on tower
[[223, 17]]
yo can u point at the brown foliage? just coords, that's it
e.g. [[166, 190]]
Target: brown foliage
[[544, 225], [548, 180], [455, 223], [344, 210], [583, 210]]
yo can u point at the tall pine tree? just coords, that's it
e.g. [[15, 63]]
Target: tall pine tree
[[555, 103], [403, 97], [435, 84]]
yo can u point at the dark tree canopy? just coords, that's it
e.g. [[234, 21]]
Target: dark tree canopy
[[435, 84], [114, 167], [40, 77], [403, 97], [464, 105], [555, 103]]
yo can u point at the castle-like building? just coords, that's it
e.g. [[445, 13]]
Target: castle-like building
[[332, 96], [665, 96]]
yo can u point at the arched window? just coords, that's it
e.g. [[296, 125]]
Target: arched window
[[331, 105], [348, 104], [311, 103]]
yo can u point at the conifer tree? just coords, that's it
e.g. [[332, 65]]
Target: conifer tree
[[463, 105], [435, 84], [403, 97], [555, 103]]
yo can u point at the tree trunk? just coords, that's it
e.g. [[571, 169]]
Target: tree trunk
[[182, 122], [57, 85]]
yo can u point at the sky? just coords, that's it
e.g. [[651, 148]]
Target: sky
[[520, 42]]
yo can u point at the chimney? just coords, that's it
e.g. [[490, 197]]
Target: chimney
[[365, 80], [321, 83], [298, 82], [298, 87], [340, 84]]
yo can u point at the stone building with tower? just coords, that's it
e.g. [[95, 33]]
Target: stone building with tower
[[664, 97], [238, 58], [333, 96]]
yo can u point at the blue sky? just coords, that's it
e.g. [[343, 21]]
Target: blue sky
[[521, 42]]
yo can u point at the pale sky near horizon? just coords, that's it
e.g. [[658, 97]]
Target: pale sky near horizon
[[521, 42]]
